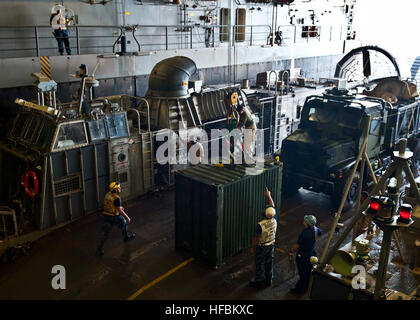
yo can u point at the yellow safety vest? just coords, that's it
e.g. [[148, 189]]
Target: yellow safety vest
[[59, 22], [109, 208]]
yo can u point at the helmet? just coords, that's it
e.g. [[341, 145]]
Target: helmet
[[233, 99], [270, 212], [57, 7], [313, 260], [310, 220], [114, 185]]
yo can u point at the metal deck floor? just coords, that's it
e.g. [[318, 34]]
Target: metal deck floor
[[147, 263]]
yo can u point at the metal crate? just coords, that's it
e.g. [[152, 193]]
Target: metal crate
[[217, 208]]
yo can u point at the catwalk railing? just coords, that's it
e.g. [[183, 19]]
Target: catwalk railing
[[31, 41]]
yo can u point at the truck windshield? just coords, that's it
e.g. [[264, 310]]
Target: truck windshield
[[328, 116]]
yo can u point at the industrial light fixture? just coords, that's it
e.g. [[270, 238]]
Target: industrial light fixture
[[374, 205], [386, 206], [405, 213]]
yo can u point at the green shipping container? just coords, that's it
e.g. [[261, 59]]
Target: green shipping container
[[217, 208]]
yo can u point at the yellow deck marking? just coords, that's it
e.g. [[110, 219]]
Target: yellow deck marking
[[167, 274]]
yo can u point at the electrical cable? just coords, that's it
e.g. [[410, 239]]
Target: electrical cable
[[198, 35]]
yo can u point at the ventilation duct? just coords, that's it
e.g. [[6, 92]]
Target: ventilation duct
[[169, 77]]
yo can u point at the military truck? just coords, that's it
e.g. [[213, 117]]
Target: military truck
[[320, 154]]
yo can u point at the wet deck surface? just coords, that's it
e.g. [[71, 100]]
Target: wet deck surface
[[150, 267]]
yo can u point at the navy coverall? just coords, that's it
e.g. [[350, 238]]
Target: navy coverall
[[306, 250]]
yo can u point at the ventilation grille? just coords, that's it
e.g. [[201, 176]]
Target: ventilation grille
[[67, 185]]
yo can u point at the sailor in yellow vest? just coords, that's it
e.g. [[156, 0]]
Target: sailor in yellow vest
[[114, 215], [264, 246]]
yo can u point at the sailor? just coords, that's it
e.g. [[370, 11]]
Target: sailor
[[195, 152], [246, 121], [235, 148], [114, 214], [305, 248], [59, 24], [264, 246]]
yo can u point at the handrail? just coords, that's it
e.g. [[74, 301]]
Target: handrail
[[288, 82], [147, 106], [317, 32], [173, 36], [275, 82], [138, 118]]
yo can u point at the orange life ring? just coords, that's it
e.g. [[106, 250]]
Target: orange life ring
[[31, 193]]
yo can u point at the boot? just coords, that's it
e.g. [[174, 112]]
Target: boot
[[129, 237], [298, 290], [100, 252], [256, 284]]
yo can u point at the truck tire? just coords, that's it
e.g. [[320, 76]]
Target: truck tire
[[351, 196]]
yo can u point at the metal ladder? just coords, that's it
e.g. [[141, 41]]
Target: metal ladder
[[173, 117], [277, 123], [192, 108], [176, 115], [147, 160], [186, 112]]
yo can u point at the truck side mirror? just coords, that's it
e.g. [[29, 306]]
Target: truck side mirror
[[298, 111]]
